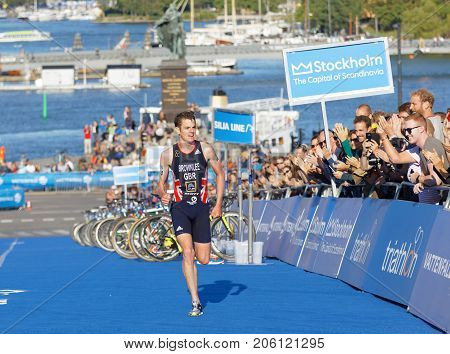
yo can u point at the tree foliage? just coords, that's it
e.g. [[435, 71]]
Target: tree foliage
[[420, 18]]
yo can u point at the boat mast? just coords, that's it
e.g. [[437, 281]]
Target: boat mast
[[233, 14], [225, 12], [192, 15]]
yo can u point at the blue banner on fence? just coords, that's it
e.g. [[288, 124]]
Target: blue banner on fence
[[315, 233], [336, 236], [362, 243], [11, 198], [234, 127], [399, 250], [284, 230], [278, 216], [295, 233], [432, 287], [56, 180]]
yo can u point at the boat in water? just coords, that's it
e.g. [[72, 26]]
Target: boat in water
[[24, 36]]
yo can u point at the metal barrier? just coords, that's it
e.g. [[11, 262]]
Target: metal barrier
[[323, 190]]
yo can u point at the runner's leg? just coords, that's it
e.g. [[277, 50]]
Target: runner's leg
[[202, 252], [189, 268]]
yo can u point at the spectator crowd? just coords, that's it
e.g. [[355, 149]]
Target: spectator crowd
[[409, 145]]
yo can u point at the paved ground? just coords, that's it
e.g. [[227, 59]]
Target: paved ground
[[52, 213]]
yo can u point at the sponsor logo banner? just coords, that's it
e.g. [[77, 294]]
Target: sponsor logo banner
[[315, 233], [399, 250], [338, 71], [296, 228], [277, 215], [11, 198], [362, 243], [234, 127], [57, 180], [336, 236], [432, 287]]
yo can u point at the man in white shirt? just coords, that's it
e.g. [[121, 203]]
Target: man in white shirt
[[422, 102]]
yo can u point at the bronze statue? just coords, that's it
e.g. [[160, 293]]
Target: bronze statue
[[170, 32]]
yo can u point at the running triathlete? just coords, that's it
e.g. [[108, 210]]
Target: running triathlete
[[188, 160]]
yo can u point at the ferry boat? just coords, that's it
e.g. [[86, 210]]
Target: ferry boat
[[24, 36]]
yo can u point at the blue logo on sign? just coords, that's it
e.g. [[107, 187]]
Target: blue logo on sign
[[234, 127]]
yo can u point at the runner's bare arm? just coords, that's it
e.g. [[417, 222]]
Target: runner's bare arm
[[211, 157], [164, 172]]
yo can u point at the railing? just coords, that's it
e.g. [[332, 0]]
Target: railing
[[323, 190]]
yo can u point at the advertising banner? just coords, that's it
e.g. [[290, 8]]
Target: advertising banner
[[336, 236], [338, 71], [11, 198], [360, 248], [126, 175], [278, 216], [56, 180], [234, 127], [400, 250], [296, 228], [259, 207], [430, 297], [290, 207], [315, 233]]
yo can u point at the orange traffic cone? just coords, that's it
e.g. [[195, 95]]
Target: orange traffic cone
[[28, 205]]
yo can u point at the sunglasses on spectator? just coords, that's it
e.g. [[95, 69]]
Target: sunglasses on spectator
[[285, 172], [355, 139], [313, 145], [409, 130]]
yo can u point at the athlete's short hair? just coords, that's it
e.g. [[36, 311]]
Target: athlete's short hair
[[184, 115]]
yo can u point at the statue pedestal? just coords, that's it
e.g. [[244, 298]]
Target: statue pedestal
[[173, 87]]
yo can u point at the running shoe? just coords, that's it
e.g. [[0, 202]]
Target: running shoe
[[197, 309], [214, 260]]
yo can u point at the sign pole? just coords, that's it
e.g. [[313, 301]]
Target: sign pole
[[327, 139], [250, 210], [240, 197], [125, 194], [226, 168]]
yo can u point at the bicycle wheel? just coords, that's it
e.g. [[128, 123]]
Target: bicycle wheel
[[136, 232], [102, 234], [84, 233], [75, 233], [119, 237], [91, 232], [225, 230], [160, 240]]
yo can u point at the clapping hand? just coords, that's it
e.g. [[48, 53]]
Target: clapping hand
[[338, 174], [433, 157], [340, 166], [326, 153], [353, 161], [386, 126], [341, 131], [396, 122]]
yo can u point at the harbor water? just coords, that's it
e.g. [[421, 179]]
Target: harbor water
[[23, 131]]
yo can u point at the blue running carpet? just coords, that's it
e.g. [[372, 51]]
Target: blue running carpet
[[73, 289]]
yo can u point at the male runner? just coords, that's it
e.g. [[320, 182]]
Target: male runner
[[188, 160]]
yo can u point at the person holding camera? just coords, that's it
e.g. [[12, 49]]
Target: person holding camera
[[415, 131]]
